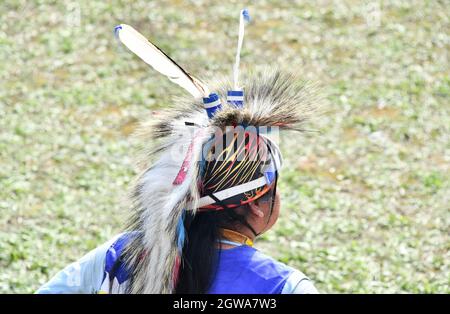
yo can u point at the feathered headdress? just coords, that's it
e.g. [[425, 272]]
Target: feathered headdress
[[182, 139]]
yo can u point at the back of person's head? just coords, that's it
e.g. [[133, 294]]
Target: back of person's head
[[239, 171]]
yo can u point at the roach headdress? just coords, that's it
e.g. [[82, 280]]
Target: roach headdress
[[207, 153]]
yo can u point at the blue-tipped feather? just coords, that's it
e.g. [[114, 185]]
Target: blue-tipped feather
[[243, 18], [246, 15], [116, 30]]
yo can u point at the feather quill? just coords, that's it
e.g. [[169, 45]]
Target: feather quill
[[159, 60]]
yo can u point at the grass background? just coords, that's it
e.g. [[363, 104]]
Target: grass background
[[365, 202]]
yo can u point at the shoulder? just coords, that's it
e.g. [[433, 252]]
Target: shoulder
[[257, 261], [269, 262], [298, 283], [265, 267], [248, 269], [82, 276]]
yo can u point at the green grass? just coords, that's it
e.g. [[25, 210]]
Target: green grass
[[365, 201]]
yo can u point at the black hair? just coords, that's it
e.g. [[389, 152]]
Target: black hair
[[200, 254]]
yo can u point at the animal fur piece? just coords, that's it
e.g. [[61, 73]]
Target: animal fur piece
[[272, 98]]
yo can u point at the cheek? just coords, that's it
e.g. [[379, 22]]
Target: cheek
[[275, 212], [277, 206]]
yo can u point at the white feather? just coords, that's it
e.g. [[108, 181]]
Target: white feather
[[243, 16], [159, 60]]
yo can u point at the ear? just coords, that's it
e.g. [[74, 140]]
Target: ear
[[255, 209]]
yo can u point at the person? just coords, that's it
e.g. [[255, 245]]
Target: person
[[210, 192], [219, 256]]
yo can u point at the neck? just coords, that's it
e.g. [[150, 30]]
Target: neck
[[242, 229], [247, 232], [236, 236]]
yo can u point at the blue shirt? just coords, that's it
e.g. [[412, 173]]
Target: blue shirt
[[241, 269]]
